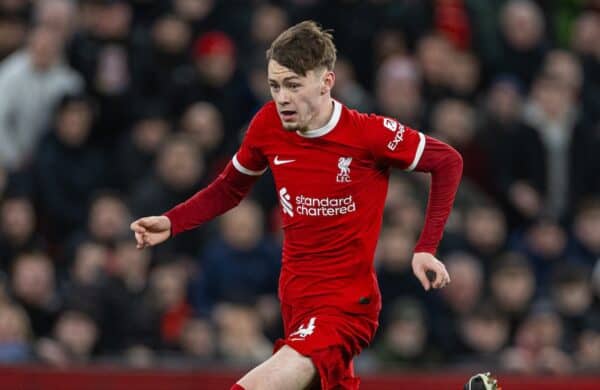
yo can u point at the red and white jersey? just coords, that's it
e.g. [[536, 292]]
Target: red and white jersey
[[332, 184]]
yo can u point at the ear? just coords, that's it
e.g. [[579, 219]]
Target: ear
[[328, 82]]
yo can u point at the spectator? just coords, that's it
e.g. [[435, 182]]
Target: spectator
[[565, 144], [108, 218], [585, 243], [572, 297], [394, 271], [454, 121], [197, 340], [178, 172], [15, 334], [107, 56], [484, 332], [587, 353], [398, 91], [168, 285], [240, 339], [138, 147], [82, 287], [78, 333], [485, 233], [125, 294], [545, 244], [522, 28], [432, 52], [75, 335], [466, 291], [203, 123], [257, 80], [58, 15], [404, 341], [348, 89], [200, 14], [565, 67], [34, 288], [512, 285], [13, 31], [515, 150], [32, 80], [404, 201], [240, 266], [387, 43], [584, 43], [17, 230], [538, 345], [461, 298], [463, 76], [67, 169], [168, 50], [268, 21], [214, 77]]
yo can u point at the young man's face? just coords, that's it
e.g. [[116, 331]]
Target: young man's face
[[299, 99]]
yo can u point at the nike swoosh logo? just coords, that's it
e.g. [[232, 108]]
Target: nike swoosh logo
[[277, 161]]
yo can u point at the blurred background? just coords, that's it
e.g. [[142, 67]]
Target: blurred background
[[112, 109]]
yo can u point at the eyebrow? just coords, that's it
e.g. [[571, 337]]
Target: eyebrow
[[289, 78]]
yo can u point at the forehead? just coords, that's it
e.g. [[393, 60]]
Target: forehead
[[278, 72]]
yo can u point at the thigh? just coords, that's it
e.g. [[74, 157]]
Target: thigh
[[330, 339], [286, 369]]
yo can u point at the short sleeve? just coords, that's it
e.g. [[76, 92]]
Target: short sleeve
[[392, 143], [249, 158]]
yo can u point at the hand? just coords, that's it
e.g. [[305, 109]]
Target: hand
[[151, 231], [423, 262]]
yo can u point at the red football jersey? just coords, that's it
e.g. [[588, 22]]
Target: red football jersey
[[332, 183]]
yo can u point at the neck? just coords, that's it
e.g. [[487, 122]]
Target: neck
[[322, 117]]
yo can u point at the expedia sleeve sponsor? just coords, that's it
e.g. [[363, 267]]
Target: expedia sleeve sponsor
[[399, 137]]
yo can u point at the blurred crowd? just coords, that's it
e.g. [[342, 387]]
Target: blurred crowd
[[113, 109]]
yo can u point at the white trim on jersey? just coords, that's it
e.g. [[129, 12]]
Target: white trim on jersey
[[335, 118], [245, 170], [419, 152]]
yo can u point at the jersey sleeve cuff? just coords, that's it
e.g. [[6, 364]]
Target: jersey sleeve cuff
[[418, 154], [245, 170], [426, 249]]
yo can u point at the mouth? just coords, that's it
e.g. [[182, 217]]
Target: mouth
[[287, 115]]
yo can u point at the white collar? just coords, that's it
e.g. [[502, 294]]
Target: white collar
[[333, 121]]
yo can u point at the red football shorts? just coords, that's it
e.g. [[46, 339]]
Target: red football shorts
[[330, 338]]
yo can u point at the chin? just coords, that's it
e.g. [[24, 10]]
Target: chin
[[290, 126]]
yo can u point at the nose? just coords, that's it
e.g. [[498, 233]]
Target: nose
[[282, 97]]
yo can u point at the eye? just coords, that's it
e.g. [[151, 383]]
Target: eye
[[294, 86], [274, 87]]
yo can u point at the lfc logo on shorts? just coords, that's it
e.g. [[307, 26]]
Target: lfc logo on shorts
[[343, 175], [304, 331]]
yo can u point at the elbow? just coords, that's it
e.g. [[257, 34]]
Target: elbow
[[455, 164], [452, 160], [440, 158], [449, 166], [457, 160]]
